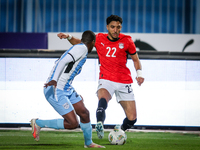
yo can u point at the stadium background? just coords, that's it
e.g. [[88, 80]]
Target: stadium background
[[168, 99]]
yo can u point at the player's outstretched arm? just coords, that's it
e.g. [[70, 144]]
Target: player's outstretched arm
[[138, 68], [73, 40]]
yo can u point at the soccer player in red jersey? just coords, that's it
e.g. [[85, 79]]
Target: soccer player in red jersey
[[114, 77]]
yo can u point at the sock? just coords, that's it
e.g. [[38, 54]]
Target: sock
[[127, 124], [100, 112], [87, 132], [55, 123]]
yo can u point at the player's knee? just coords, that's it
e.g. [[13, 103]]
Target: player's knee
[[72, 124], [75, 125]]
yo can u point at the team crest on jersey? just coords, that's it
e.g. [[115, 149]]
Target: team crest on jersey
[[66, 105], [121, 45]]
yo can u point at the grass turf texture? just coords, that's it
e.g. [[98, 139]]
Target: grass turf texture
[[19, 139]]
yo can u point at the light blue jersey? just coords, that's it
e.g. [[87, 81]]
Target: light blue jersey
[[65, 69], [68, 66]]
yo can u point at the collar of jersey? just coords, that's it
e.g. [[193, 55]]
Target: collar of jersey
[[113, 40]]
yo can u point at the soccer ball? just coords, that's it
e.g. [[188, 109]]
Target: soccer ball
[[117, 137]]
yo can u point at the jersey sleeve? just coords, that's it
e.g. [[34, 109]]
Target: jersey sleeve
[[71, 56], [131, 48], [78, 51], [100, 37]]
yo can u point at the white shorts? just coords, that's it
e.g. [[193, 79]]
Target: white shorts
[[123, 92]]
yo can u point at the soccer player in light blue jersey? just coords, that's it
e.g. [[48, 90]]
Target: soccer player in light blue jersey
[[62, 96]]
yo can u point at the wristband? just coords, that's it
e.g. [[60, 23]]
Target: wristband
[[139, 73], [69, 37]]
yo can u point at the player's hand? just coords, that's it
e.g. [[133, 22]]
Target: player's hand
[[62, 35], [50, 83], [140, 80]]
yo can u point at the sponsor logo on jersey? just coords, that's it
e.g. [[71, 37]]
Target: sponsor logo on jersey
[[102, 44], [121, 45]]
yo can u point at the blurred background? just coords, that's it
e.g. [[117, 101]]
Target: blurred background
[[140, 16], [166, 34]]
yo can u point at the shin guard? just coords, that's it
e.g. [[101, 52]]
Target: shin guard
[[127, 124]]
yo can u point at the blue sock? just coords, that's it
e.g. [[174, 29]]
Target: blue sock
[[55, 123], [87, 132]]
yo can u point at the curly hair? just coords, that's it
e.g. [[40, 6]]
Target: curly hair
[[113, 18]]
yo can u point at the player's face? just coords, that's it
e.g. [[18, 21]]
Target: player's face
[[114, 28]]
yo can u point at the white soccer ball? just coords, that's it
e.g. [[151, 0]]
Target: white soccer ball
[[117, 137]]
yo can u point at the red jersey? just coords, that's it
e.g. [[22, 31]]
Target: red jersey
[[113, 57]]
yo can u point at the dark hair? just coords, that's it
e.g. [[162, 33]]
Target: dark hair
[[88, 36], [113, 18]]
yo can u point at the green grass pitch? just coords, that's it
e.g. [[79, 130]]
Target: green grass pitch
[[20, 139]]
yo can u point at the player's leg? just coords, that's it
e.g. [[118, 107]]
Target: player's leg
[[85, 123], [82, 111], [104, 94], [125, 97], [104, 97], [61, 103], [69, 122], [63, 106], [131, 114]]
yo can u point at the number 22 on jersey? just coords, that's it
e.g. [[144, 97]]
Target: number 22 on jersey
[[111, 52]]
